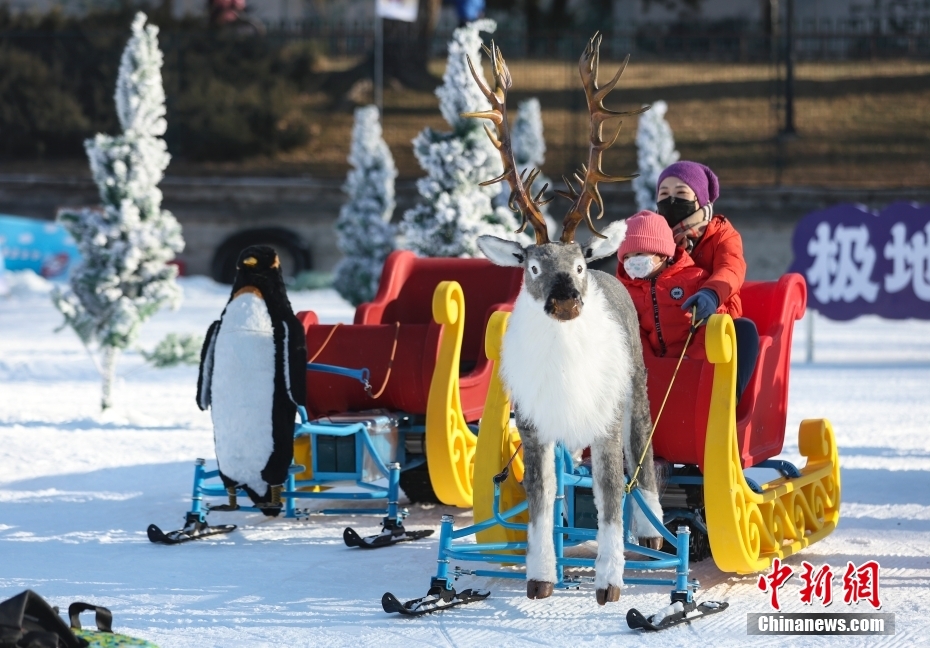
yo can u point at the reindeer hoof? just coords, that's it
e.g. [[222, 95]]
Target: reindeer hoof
[[609, 595], [538, 589], [651, 543]]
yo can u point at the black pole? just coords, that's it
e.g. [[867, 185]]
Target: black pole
[[789, 69]]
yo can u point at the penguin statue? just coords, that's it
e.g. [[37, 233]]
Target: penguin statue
[[253, 377]]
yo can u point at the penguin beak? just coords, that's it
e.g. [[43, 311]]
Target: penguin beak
[[277, 262], [251, 262]]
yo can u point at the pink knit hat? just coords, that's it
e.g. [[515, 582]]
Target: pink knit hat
[[647, 232]]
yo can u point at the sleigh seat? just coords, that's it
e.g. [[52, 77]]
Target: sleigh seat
[[762, 411]]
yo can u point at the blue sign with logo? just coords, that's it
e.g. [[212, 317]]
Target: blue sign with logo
[[857, 262], [44, 247]]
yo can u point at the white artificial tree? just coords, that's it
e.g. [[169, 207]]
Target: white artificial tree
[[454, 210], [124, 276], [363, 231], [655, 150]]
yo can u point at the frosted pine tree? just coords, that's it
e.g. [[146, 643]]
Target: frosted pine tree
[[124, 277], [529, 152], [454, 210], [655, 150], [364, 233]]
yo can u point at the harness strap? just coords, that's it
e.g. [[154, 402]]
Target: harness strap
[[694, 327], [325, 342], [363, 378], [501, 477], [387, 376]]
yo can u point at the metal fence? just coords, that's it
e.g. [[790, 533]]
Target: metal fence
[[860, 95]]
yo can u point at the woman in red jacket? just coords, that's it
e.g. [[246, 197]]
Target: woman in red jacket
[[685, 195], [660, 277]]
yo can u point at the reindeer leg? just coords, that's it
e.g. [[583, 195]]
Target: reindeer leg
[[637, 431], [539, 483], [607, 467]]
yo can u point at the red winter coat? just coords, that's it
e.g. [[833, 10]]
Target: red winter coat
[[720, 254], [663, 326]]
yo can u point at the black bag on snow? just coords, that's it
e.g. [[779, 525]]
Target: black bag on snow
[[27, 621]]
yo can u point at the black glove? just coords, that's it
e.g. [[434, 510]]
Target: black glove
[[706, 301]]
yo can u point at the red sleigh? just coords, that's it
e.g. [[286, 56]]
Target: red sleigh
[[439, 373]]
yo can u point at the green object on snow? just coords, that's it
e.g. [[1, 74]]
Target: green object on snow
[[175, 350]]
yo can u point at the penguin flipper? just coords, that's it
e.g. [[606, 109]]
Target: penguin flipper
[[296, 360], [205, 378]]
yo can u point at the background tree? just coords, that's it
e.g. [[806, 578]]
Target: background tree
[[655, 150], [454, 210], [124, 277], [364, 233]]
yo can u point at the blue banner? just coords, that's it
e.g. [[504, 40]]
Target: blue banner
[[44, 247], [857, 262]]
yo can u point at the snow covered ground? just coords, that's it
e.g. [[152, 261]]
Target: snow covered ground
[[77, 490]]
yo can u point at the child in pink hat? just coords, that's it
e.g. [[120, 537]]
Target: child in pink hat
[[660, 277]]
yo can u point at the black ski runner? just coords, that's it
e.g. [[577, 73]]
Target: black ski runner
[[386, 538], [436, 600], [158, 536], [673, 615]]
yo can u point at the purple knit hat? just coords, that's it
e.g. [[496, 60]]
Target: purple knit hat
[[700, 178]]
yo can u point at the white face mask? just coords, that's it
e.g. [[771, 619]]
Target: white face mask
[[640, 267]]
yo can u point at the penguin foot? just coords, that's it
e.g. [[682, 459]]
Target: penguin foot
[[271, 510], [273, 507]]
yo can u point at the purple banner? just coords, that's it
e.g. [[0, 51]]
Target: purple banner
[[857, 262]]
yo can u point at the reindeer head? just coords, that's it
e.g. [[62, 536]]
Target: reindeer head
[[555, 273]]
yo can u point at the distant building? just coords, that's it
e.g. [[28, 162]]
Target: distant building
[[889, 16]]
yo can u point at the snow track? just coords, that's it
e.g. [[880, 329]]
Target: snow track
[[78, 489]]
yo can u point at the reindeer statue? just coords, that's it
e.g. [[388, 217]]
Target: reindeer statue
[[572, 358]]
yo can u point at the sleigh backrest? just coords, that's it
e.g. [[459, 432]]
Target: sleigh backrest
[[762, 412], [408, 282], [405, 296]]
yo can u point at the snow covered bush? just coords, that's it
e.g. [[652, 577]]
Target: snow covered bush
[[655, 150], [125, 244], [453, 209], [311, 280], [175, 350], [363, 231]]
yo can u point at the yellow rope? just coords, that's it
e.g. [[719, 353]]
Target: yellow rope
[[325, 342], [387, 376], [694, 327]]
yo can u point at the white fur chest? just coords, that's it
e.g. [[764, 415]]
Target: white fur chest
[[243, 390], [567, 378]]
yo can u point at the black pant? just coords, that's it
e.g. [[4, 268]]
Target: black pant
[[747, 352]]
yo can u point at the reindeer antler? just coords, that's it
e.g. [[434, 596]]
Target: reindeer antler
[[592, 173], [520, 197]]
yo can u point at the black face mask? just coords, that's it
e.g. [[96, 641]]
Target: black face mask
[[675, 210]]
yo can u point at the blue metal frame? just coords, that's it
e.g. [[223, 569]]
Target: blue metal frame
[[298, 489], [566, 480]]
